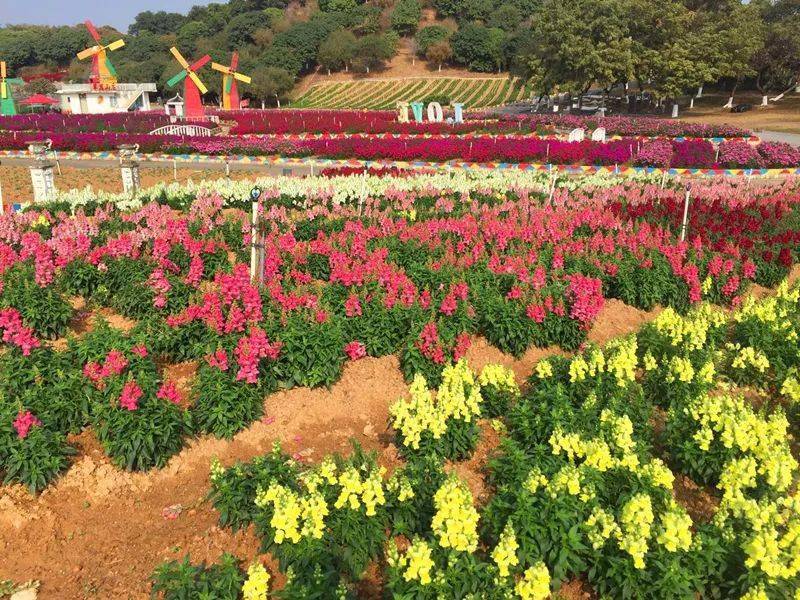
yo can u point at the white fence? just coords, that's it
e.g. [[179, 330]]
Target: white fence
[[194, 130]]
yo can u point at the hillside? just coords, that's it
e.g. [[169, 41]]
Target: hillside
[[556, 46]]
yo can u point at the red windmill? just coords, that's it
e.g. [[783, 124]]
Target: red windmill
[[103, 72], [193, 88], [230, 92]]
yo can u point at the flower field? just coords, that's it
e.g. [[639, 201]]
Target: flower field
[[376, 135], [514, 454], [475, 92], [479, 149], [371, 121]]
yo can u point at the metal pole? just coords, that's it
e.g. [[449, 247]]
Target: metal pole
[[255, 195], [686, 212]]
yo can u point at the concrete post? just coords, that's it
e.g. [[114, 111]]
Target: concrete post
[[42, 177], [129, 166]]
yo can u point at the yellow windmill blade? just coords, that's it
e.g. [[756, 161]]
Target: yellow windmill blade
[[220, 68], [203, 89], [242, 78], [3, 90], [179, 58], [88, 52], [115, 45], [2, 69]]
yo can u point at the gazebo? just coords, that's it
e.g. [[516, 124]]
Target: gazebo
[[174, 107]]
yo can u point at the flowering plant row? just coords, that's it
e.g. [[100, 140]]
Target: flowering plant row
[[579, 489], [136, 122], [346, 188], [482, 149], [334, 121], [628, 125]]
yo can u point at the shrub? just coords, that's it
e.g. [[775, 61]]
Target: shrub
[[42, 308], [223, 405], [30, 454], [445, 426], [175, 580], [312, 354]]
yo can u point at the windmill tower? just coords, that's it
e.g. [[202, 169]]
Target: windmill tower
[[7, 106], [104, 75], [193, 88], [230, 93]]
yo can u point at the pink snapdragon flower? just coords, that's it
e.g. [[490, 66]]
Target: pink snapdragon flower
[[24, 422], [129, 398], [15, 333], [218, 359], [355, 350], [169, 391]]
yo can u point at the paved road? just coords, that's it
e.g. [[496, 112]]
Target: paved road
[[779, 136]]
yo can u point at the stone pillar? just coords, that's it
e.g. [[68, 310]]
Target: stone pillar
[[42, 178], [129, 167]]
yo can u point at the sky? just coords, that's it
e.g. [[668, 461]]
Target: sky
[[119, 13]]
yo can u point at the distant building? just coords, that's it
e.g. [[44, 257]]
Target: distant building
[[92, 99]]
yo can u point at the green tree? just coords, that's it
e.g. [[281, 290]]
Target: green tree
[[406, 16], [506, 17], [337, 50], [777, 63], [269, 84], [241, 28], [37, 86], [439, 53], [17, 46], [59, 45], [449, 8], [337, 5], [160, 22], [216, 16], [372, 51], [574, 44], [430, 35], [478, 48], [476, 10], [190, 33]]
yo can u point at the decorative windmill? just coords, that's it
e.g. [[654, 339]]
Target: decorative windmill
[[7, 106], [103, 72], [193, 88], [230, 93]]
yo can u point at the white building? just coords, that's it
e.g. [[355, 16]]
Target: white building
[[84, 98]]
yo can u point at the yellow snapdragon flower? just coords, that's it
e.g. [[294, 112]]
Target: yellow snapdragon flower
[[256, 587], [505, 553], [636, 520], [455, 522], [535, 583]]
